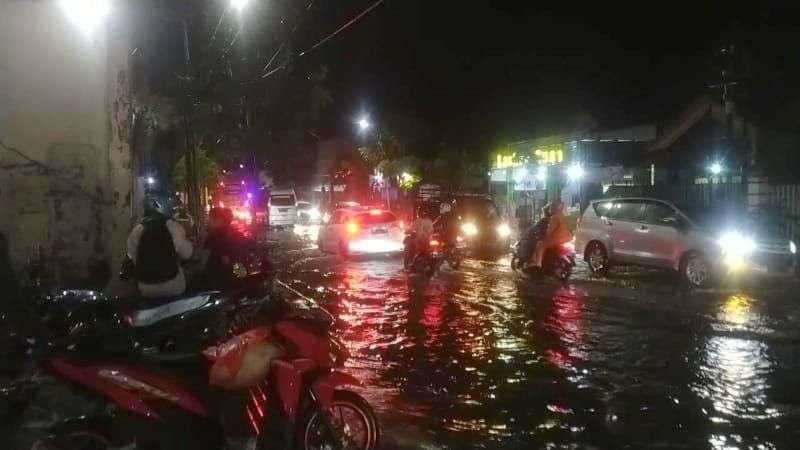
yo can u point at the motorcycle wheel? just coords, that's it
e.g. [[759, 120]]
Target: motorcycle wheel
[[514, 262], [350, 424], [562, 270]]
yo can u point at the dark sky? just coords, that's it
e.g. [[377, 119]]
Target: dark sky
[[485, 72], [480, 73]]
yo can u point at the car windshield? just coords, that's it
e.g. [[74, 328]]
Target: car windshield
[[281, 200], [476, 208], [376, 218]]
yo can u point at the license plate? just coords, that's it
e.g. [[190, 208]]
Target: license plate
[[283, 209], [379, 231]]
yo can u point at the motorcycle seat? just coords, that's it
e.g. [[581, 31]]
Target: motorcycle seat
[[144, 313]]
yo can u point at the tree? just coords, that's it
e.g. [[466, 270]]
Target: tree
[[207, 170], [234, 113]]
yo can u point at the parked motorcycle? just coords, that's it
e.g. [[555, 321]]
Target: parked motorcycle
[[303, 402], [427, 260], [557, 261]]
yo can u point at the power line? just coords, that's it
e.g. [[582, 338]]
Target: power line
[[329, 37], [291, 33]]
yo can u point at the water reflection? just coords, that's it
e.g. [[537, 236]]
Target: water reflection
[[735, 367], [489, 359]]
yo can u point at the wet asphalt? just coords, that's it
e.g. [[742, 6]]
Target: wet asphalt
[[485, 357]]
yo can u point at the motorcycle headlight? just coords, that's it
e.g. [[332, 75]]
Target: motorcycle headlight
[[504, 230], [469, 229], [792, 247]]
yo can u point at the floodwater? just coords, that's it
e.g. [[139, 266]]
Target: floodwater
[[487, 358]]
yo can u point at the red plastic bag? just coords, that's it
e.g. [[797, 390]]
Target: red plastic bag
[[243, 360]]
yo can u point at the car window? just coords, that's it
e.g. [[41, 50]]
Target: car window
[[627, 210], [602, 209], [281, 200], [373, 218], [659, 214]]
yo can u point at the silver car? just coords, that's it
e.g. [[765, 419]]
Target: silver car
[[657, 233]]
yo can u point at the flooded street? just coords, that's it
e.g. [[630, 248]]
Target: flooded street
[[487, 358]]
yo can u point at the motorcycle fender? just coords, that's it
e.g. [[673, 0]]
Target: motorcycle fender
[[325, 385], [88, 379], [288, 380]]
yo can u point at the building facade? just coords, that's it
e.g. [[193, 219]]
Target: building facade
[[65, 123]]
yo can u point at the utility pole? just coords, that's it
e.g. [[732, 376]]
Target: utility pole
[[190, 155]]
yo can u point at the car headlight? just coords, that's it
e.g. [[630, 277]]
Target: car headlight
[[504, 230], [735, 243], [326, 218], [792, 247], [469, 229], [313, 214]]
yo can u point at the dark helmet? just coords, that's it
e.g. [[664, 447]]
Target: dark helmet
[[159, 204]]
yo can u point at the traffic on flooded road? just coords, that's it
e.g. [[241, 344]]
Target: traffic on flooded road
[[485, 357]]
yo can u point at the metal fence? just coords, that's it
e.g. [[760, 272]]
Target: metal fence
[[784, 203]]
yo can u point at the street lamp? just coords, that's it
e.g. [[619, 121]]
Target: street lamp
[[239, 4], [575, 172], [151, 181], [363, 123], [86, 14], [715, 168]]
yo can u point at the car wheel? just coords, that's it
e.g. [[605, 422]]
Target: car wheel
[[344, 251], [597, 258], [695, 270]]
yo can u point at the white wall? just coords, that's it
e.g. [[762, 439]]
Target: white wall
[[64, 103]]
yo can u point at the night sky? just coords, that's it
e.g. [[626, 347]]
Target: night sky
[[480, 73], [486, 72]]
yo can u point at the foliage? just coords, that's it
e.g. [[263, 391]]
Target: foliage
[[234, 113], [387, 155], [207, 170]]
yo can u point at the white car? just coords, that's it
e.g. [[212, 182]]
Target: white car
[[282, 208], [361, 231], [657, 233]]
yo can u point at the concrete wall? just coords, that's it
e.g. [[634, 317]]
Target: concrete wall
[[65, 106]]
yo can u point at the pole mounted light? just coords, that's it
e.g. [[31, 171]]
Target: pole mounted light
[[86, 14], [363, 124], [715, 168], [575, 172], [239, 5]]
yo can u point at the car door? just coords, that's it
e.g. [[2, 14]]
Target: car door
[[661, 235], [623, 220]]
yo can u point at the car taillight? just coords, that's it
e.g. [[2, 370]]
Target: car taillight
[[352, 228], [434, 243], [569, 246], [402, 225]]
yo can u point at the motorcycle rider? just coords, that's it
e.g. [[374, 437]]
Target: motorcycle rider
[[156, 246], [422, 228], [447, 224], [534, 234], [557, 233], [224, 246]]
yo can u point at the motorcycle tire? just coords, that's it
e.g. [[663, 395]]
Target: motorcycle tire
[[360, 432], [514, 262]]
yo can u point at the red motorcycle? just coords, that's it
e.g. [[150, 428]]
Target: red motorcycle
[[303, 403]]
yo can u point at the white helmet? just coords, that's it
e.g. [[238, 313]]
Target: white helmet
[[444, 208]]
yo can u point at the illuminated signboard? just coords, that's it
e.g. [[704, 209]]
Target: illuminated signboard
[[542, 155], [549, 155]]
